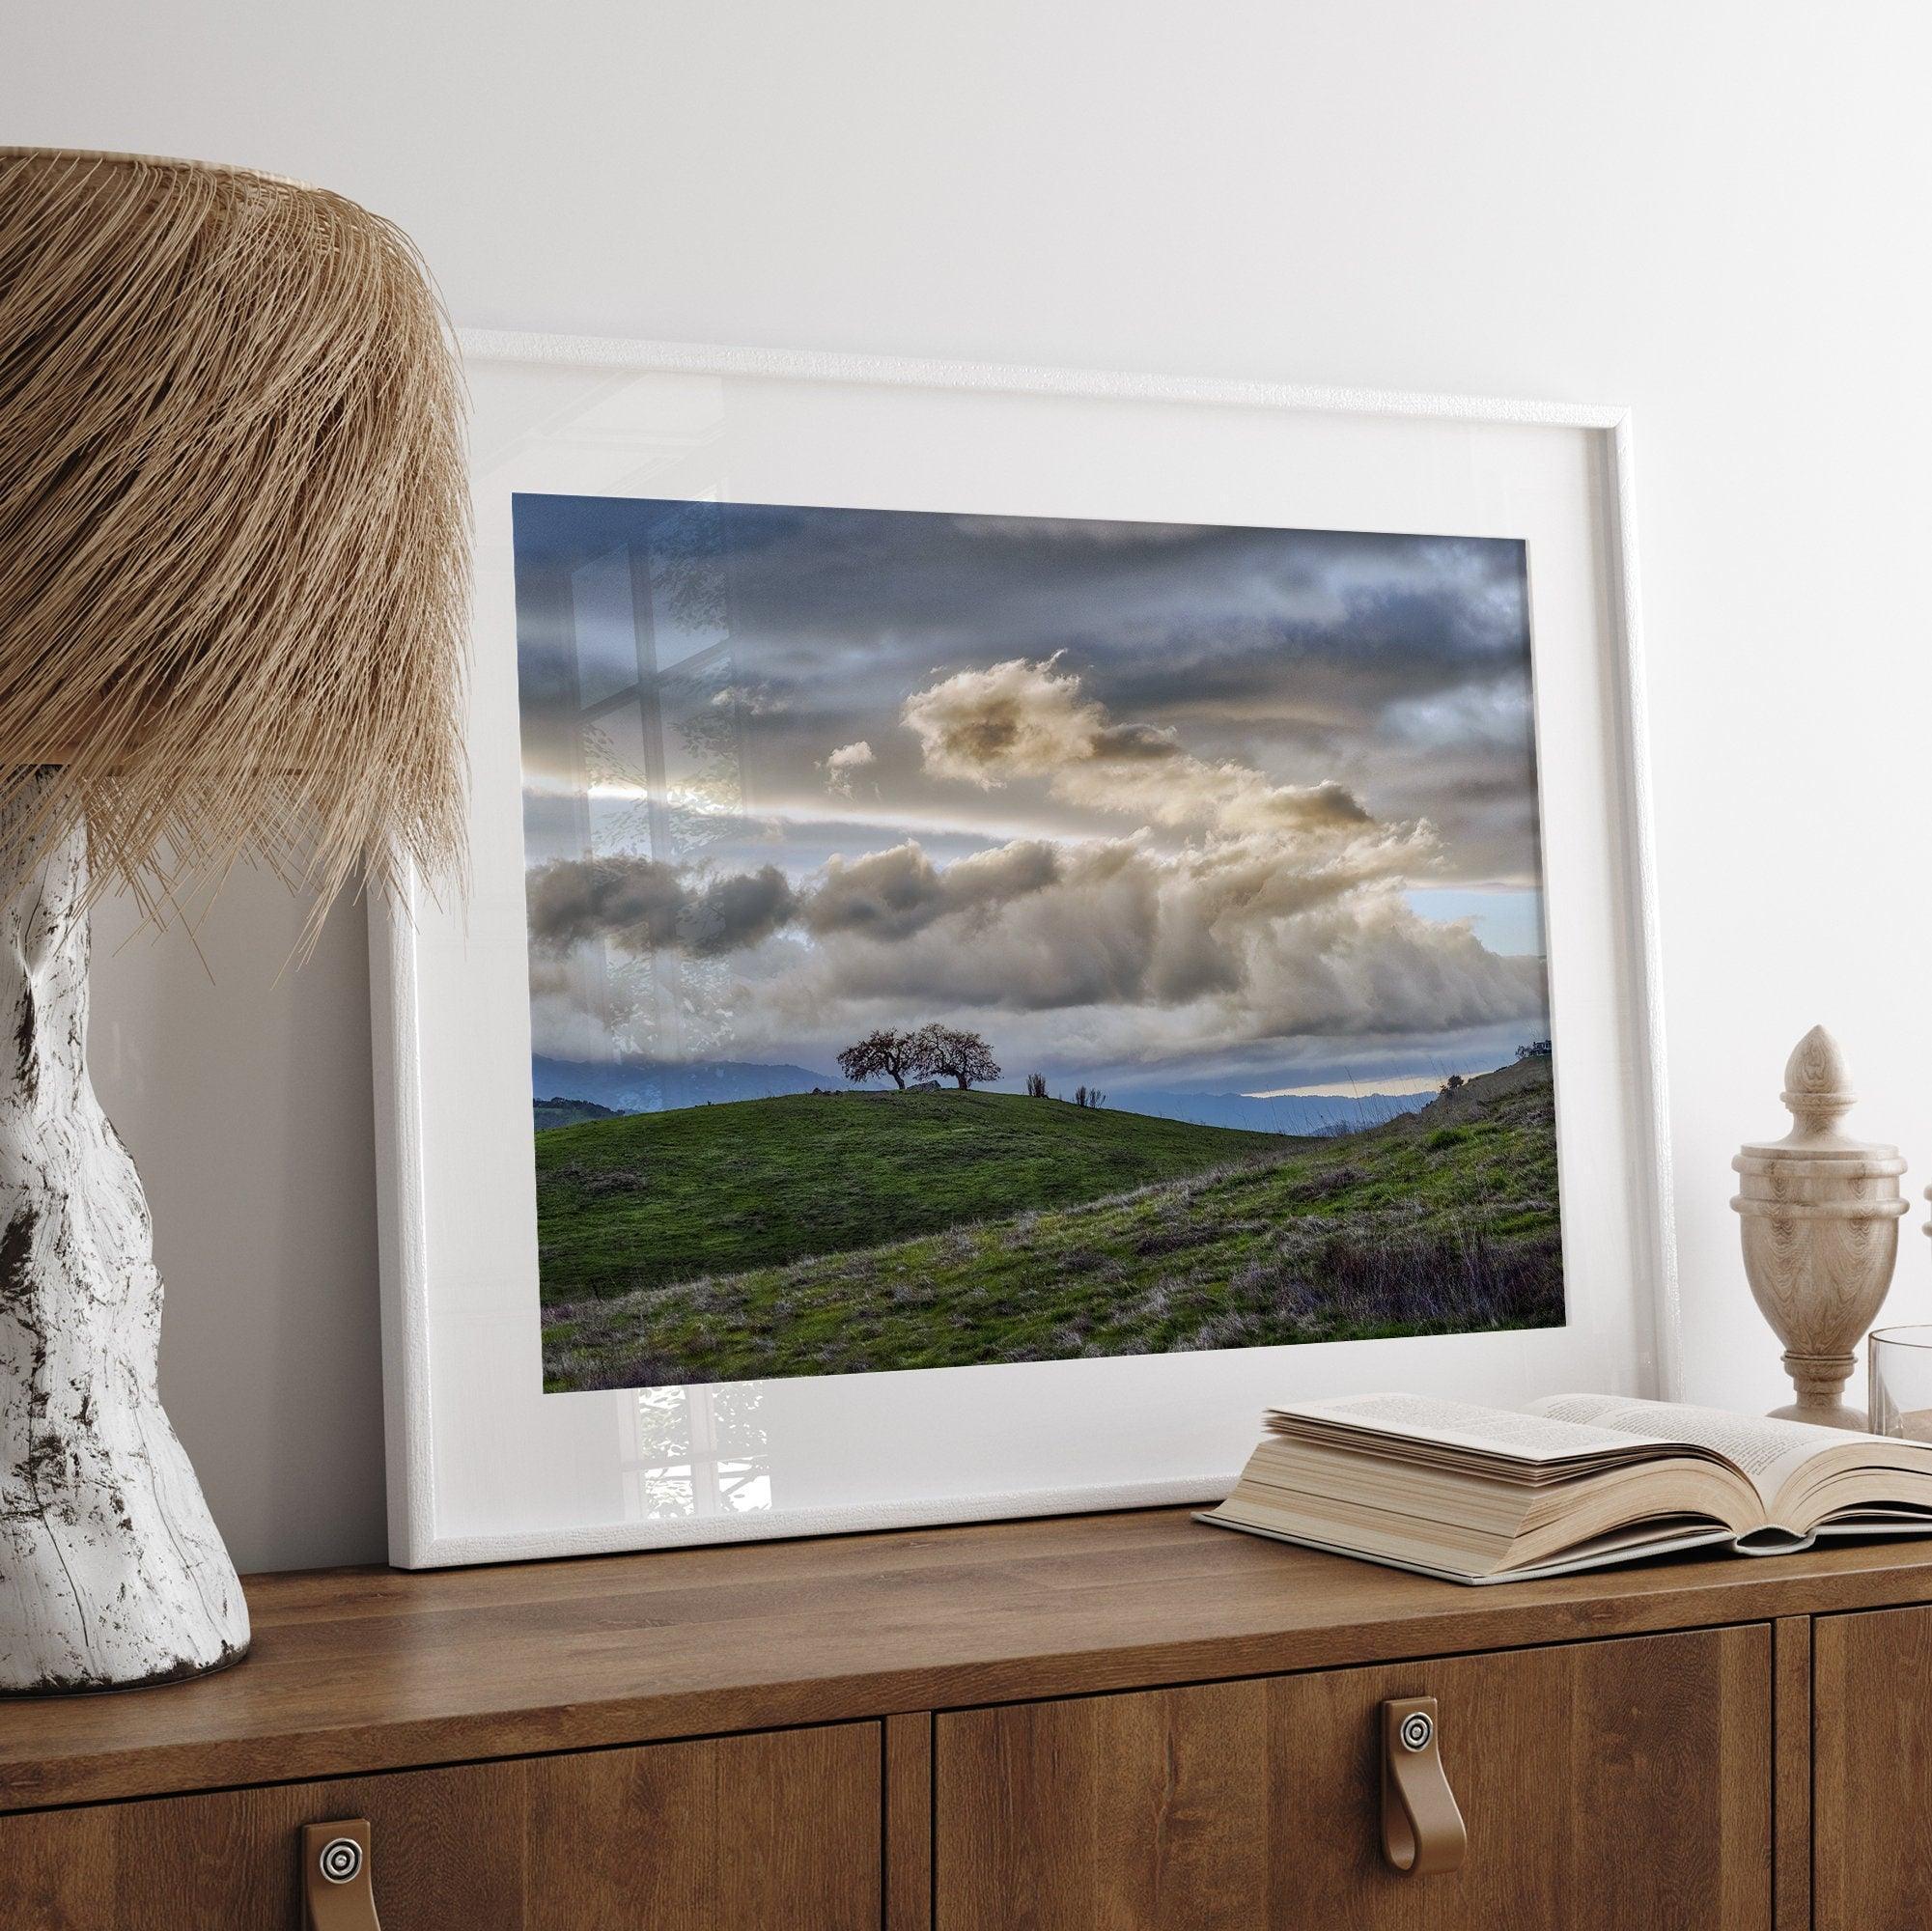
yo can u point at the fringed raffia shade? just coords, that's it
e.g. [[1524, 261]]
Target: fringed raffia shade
[[233, 529]]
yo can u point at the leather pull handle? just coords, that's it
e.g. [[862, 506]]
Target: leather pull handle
[[1422, 1829], [337, 1894]]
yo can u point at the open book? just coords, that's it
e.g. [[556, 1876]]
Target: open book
[[1577, 1481]]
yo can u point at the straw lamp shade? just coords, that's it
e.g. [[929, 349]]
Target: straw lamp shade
[[233, 589]]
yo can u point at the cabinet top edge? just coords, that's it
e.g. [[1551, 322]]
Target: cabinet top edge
[[360, 1671]]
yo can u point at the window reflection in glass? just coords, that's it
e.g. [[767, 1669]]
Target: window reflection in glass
[[696, 1451]]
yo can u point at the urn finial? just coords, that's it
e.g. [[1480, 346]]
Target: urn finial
[[1817, 1088], [1820, 1213]]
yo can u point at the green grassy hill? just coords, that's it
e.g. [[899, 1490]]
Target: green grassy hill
[[1444, 1221], [653, 1198]]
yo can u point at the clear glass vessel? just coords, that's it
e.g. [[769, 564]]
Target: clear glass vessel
[[1902, 1382]]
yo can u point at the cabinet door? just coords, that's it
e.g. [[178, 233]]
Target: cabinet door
[[763, 1832], [1871, 1771], [1618, 1784]]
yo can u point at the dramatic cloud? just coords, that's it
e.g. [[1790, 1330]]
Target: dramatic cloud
[[1028, 720], [843, 762], [1308, 655], [1144, 795], [647, 906], [1255, 952], [643, 906], [1279, 915], [889, 895]]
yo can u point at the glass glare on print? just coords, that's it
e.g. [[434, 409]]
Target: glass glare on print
[[973, 938]]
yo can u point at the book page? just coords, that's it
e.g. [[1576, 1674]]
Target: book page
[[1601, 1554], [1766, 1452], [1496, 1430]]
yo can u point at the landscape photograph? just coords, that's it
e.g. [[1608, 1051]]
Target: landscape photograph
[[959, 940]]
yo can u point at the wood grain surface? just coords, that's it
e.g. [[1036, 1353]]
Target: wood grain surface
[[909, 1823], [756, 1833], [1612, 1786], [366, 1670], [1872, 1771], [1791, 1771]]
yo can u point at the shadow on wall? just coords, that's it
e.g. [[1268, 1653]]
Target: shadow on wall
[[245, 1099]]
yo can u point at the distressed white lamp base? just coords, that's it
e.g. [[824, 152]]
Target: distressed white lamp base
[[111, 1570]]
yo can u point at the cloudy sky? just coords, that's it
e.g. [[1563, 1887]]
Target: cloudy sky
[[1158, 805]]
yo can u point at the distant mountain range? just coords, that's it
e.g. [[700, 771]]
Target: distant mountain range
[[1282, 1113], [658, 1085], [653, 1086]]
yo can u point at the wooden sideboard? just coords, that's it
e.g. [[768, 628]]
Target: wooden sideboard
[[1111, 1720]]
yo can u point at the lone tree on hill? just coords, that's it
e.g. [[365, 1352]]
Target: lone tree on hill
[[886, 1051], [961, 1057]]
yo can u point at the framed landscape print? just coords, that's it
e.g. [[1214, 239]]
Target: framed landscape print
[[1018, 918]]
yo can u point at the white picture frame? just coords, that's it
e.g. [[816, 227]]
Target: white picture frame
[[484, 1467]]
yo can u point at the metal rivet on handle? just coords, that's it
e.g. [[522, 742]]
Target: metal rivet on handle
[[341, 1859], [1416, 1730]]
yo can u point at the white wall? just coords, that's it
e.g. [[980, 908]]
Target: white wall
[[1714, 211]]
